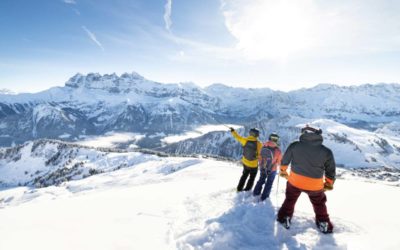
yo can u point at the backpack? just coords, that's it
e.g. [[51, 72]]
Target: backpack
[[250, 150], [267, 157]]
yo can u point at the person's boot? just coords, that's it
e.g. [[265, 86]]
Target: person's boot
[[285, 221], [325, 227]]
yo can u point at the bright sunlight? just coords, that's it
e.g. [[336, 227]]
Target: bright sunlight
[[269, 29]]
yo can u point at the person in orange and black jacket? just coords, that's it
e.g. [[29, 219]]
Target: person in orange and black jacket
[[313, 171], [251, 151]]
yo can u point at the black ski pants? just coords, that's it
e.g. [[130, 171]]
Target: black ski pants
[[245, 174]]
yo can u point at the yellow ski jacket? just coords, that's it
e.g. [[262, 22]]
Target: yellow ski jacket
[[243, 141]]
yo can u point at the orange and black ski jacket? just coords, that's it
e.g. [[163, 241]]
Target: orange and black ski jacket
[[310, 162], [243, 141]]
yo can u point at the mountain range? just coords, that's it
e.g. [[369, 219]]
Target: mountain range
[[360, 122]]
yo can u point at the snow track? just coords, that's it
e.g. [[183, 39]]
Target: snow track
[[250, 224]]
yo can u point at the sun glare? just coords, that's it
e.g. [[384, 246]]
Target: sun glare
[[272, 29]]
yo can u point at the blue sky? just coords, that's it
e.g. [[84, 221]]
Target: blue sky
[[280, 44]]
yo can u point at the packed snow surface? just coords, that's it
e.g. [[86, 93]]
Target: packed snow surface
[[189, 203]]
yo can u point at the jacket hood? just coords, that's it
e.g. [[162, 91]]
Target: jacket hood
[[270, 144], [311, 138]]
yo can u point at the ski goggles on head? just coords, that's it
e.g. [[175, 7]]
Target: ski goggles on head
[[274, 138], [308, 129]]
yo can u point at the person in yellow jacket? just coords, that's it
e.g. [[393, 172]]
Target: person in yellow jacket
[[251, 151]]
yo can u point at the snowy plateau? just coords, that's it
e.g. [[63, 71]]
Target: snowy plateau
[[122, 162]]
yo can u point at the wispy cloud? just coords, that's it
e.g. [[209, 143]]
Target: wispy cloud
[[92, 36], [69, 1], [77, 11], [167, 15]]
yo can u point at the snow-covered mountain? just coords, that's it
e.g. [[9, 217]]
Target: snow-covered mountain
[[352, 147], [356, 104], [94, 104], [6, 92], [155, 202]]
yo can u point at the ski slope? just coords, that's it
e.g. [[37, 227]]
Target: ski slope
[[189, 203]]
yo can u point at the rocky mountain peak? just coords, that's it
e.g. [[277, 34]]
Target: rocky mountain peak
[[109, 82]]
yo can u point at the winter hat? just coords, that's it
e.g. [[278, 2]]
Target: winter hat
[[273, 137], [308, 129], [254, 132]]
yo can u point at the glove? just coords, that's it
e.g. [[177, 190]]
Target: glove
[[232, 129], [328, 186], [284, 174]]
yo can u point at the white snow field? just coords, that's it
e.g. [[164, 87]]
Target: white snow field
[[111, 139], [199, 131], [189, 203]]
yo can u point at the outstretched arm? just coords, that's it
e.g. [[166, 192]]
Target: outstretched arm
[[239, 138]]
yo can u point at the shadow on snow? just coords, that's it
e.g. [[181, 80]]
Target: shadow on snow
[[252, 225]]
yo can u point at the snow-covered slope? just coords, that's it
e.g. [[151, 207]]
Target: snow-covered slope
[[47, 162], [352, 148], [186, 203], [94, 104], [392, 128]]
